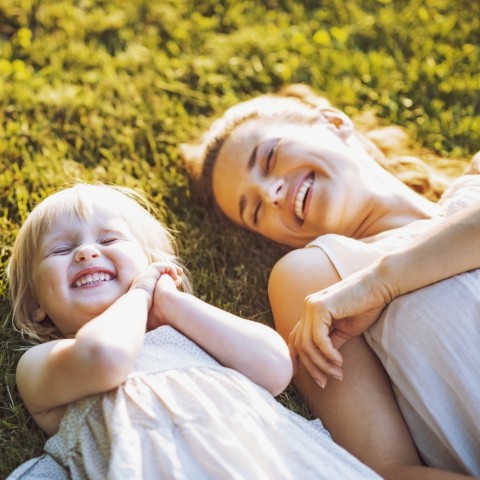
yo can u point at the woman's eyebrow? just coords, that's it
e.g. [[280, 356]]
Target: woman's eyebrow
[[250, 164], [241, 205], [253, 158]]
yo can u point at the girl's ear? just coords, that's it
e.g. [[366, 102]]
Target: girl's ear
[[40, 314], [341, 122]]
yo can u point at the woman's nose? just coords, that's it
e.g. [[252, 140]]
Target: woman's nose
[[86, 252], [273, 193]]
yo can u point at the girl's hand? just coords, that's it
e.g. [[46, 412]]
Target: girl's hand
[[158, 314], [148, 279], [331, 317]]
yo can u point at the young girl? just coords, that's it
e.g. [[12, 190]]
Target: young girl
[[91, 271]]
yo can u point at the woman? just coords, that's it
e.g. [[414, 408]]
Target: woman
[[294, 170]]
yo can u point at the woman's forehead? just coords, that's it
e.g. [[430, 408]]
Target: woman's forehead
[[248, 134], [256, 129]]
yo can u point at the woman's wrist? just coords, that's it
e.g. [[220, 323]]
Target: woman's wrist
[[388, 275]]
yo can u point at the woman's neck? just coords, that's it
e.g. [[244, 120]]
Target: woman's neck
[[400, 207]]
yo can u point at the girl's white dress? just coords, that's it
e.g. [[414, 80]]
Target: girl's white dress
[[429, 343], [181, 415]]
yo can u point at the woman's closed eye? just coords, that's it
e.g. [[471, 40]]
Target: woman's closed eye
[[271, 150], [256, 211]]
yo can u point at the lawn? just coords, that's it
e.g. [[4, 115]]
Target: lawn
[[106, 91]]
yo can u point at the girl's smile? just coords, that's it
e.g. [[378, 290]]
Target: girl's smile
[[92, 277], [84, 265]]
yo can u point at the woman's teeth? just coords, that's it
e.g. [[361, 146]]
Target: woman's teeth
[[301, 195], [93, 278]]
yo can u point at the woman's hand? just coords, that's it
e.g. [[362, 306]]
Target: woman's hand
[[332, 316]]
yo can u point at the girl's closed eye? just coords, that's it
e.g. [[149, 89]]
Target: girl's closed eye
[[108, 240], [61, 250], [111, 237]]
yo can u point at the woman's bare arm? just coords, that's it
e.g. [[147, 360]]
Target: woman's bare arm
[[331, 316], [360, 411]]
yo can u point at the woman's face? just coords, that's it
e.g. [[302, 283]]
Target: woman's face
[[291, 182]]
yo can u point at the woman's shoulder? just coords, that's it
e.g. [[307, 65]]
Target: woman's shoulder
[[464, 191], [322, 256]]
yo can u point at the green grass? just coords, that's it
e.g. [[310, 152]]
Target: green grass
[[99, 90]]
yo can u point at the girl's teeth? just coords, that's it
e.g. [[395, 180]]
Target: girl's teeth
[[93, 278], [300, 198]]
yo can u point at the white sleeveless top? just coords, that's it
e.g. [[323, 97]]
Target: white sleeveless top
[[182, 416], [429, 343]]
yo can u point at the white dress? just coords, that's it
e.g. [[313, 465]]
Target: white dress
[[429, 343], [181, 415]]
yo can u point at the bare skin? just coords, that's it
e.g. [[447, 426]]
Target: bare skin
[[332, 316], [360, 411], [292, 183], [94, 282]]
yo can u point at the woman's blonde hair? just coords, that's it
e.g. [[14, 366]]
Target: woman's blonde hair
[[79, 201], [390, 146]]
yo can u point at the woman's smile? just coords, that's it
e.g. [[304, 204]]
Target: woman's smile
[[301, 197]]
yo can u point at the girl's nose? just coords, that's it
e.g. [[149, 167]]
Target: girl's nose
[[274, 192], [86, 251]]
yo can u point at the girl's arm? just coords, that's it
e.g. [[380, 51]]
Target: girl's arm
[[254, 349], [360, 411], [332, 316], [98, 358]]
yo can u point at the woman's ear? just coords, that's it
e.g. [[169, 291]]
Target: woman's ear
[[193, 157], [40, 314], [341, 122]]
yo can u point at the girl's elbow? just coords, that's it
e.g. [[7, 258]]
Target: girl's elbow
[[280, 376], [109, 366]]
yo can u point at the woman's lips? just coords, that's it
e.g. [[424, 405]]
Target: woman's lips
[[301, 195]]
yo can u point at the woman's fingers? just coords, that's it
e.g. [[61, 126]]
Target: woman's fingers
[[315, 362], [323, 341], [339, 338], [320, 378], [318, 317], [295, 345]]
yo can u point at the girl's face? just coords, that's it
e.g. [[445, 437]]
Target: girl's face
[[83, 266], [291, 182]]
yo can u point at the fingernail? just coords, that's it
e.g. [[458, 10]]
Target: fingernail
[[321, 385], [338, 377]]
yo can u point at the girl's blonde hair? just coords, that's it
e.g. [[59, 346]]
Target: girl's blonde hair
[[390, 146], [79, 201]]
